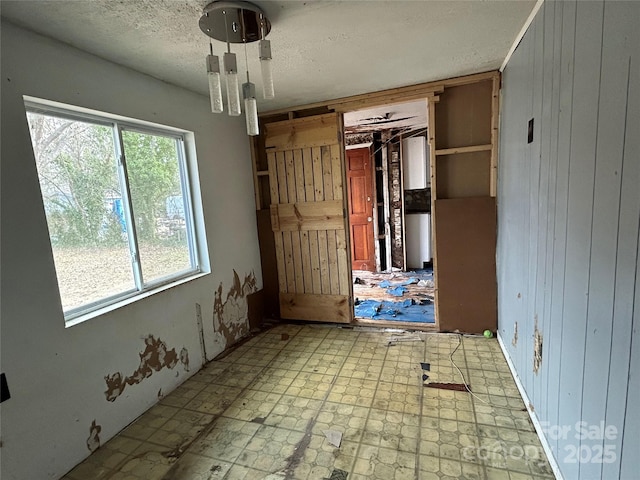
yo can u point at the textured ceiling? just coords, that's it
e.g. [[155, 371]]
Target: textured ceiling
[[321, 49]]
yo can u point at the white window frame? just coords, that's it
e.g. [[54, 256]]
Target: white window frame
[[118, 125]]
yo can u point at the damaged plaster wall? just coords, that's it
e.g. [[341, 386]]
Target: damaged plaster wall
[[57, 374], [231, 315], [154, 358], [568, 213]]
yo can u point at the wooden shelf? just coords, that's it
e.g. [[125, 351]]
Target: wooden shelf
[[262, 173], [471, 149]]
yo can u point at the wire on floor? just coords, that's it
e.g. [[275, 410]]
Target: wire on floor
[[464, 380]]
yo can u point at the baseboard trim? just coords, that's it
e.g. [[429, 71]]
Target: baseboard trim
[[532, 414]]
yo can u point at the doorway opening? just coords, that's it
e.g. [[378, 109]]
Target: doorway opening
[[389, 210]]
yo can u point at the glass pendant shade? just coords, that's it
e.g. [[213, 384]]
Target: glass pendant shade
[[215, 90], [233, 92], [265, 66], [250, 108]]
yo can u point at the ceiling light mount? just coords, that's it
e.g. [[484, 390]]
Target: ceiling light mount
[[246, 22], [237, 22]]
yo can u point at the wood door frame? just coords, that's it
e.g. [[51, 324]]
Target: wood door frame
[[428, 91]]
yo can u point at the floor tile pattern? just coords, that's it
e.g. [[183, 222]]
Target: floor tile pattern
[[262, 410]]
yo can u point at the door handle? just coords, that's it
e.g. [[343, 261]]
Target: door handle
[[369, 219], [368, 199]]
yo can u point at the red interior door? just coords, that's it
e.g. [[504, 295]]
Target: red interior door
[[360, 191]]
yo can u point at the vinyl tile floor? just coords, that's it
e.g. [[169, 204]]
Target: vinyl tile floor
[[262, 411]]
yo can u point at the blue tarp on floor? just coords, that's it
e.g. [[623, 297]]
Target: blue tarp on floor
[[406, 311]]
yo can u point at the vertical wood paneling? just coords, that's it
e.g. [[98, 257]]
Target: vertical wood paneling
[[566, 75], [318, 185], [544, 197], [332, 254], [337, 170], [326, 186], [525, 326], [533, 319], [586, 84], [301, 195], [625, 344], [604, 235], [283, 187], [327, 175], [332, 249], [296, 252], [552, 327], [575, 256], [310, 195], [324, 261], [278, 239], [631, 432]]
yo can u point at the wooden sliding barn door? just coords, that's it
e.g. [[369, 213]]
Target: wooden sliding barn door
[[308, 217]]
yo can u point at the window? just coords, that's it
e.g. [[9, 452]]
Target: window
[[117, 201]]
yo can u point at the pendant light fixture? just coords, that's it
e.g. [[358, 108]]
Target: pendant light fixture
[[265, 63], [231, 74], [250, 107], [213, 74], [237, 22], [250, 103]]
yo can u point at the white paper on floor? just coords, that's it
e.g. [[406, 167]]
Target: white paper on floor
[[334, 437]]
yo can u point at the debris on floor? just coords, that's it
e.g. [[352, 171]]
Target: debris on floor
[[396, 291], [408, 281], [252, 413], [405, 311], [338, 474], [334, 437], [458, 387], [404, 337], [386, 288]]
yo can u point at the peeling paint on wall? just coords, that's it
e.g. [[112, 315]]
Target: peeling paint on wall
[[93, 442], [514, 341], [537, 347], [230, 318], [184, 359], [155, 357]]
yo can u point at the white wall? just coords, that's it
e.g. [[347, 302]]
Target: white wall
[[56, 374], [568, 229]]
